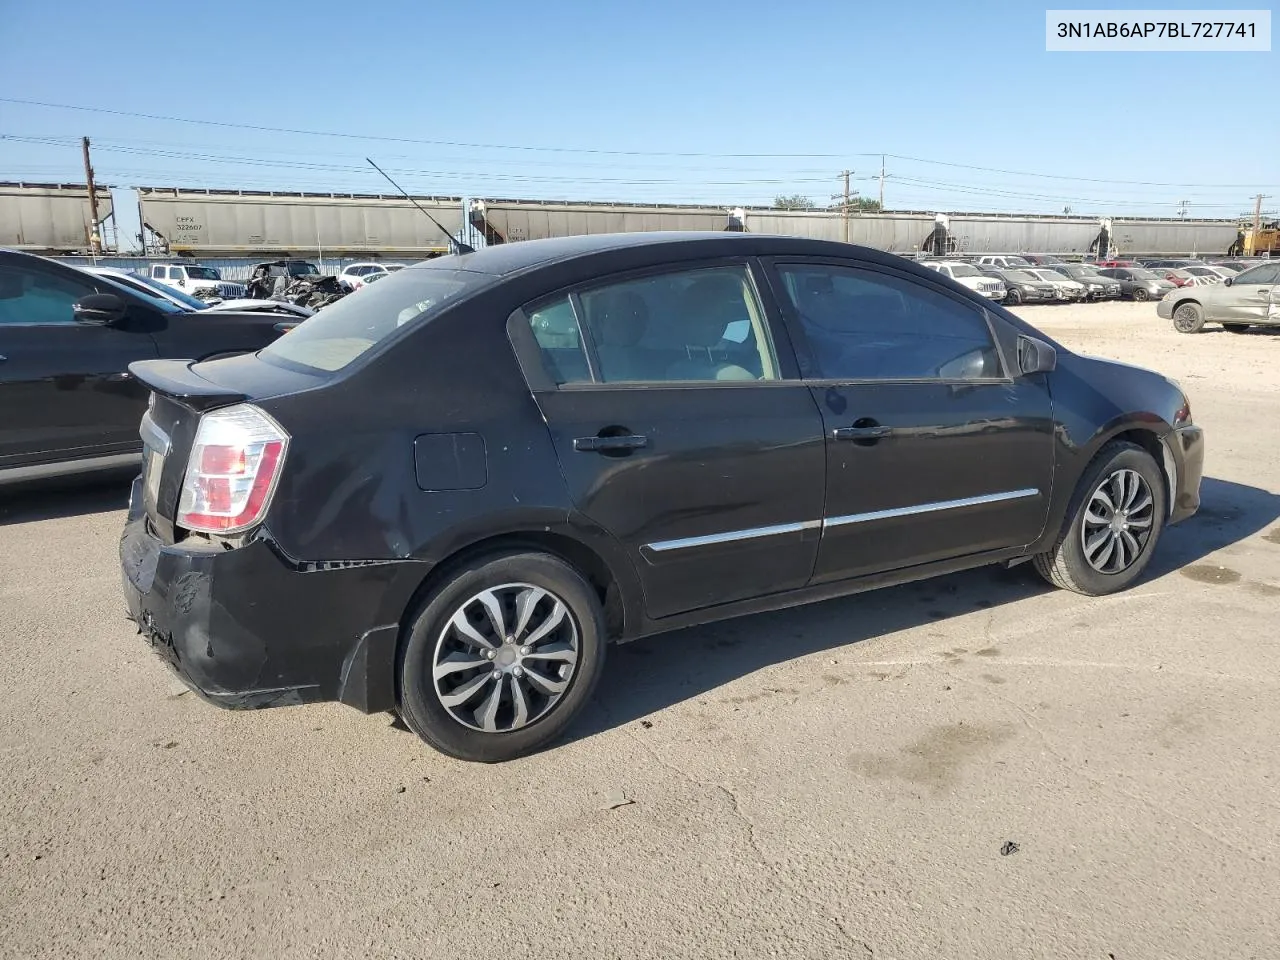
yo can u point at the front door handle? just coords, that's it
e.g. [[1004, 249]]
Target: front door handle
[[877, 432], [600, 444]]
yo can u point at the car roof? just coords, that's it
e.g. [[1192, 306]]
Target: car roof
[[508, 258]]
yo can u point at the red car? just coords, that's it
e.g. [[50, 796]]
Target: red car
[[1117, 263], [1179, 278]]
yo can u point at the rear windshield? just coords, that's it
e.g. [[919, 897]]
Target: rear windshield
[[203, 273], [342, 331]]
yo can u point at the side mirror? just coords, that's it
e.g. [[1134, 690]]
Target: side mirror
[[1036, 356], [1228, 281], [99, 309]]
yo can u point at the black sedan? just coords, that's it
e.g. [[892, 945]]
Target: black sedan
[[1022, 287], [447, 494], [68, 403]]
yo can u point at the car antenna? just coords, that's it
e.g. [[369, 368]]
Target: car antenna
[[457, 245]]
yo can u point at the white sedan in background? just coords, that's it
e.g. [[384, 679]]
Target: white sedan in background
[[356, 275], [154, 288]]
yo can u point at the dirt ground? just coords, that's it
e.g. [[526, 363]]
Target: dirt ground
[[971, 767]]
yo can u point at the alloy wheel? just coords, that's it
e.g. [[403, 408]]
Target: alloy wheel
[[1186, 319], [1117, 522], [505, 658]]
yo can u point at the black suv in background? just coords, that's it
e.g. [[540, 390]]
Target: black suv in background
[[68, 403], [446, 494]]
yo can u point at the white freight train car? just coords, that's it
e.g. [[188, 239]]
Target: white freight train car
[[220, 223], [49, 217]]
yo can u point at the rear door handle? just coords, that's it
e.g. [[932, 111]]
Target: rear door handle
[[877, 432], [598, 444]]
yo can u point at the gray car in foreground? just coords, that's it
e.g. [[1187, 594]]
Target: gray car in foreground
[[1250, 299]]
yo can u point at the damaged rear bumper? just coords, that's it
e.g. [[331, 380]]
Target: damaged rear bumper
[[247, 627]]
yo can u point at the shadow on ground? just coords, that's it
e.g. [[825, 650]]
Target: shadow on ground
[[647, 675], [66, 497]]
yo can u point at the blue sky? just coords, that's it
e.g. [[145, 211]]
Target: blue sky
[[817, 86]]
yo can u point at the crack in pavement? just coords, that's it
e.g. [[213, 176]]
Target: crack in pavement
[[1097, 781], [750, 831]]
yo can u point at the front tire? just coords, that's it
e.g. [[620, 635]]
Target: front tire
[[1140, 294], [1116, 517], [1013, 298], [500, 657], [1188, 318]]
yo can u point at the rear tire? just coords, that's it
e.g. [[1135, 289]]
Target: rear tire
[[1188, 318], [499, 659], [1236, 327], [1116, 517]]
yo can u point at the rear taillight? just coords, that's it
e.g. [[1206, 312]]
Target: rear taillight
[[235, 461]]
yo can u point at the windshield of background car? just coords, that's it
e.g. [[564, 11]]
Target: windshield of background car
[[393, 267], [964, 270], [301, 269], [1139, 274], [163, 304], [1020, 276], [1018, 262], [203, 273], [169, 293], [344, 330]]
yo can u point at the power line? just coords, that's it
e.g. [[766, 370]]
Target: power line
[[385, 139], [1058, 176]]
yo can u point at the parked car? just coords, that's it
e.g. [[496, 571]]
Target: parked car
[[1023, 287], [68, 403], [1252, 298], [1003, 260], [1236, 266], [1064, 287], [155, 288], [411, 502], [296, 281], [1097, 287], [1112, 264], [967, 275], [196, 280], [1209, 274], [1174, 263], [353, 275], [1138, 283], [1179, 278], [1042, 259]]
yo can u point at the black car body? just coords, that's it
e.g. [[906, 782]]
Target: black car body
[[449, 492], [68, 403], [1020, 286], [1138, 283]]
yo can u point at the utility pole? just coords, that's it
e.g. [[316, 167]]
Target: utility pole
[[95, 241], [846, 174], [881, 210], [1257, 212]]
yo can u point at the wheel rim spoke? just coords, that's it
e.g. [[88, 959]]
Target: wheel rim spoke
[[1131, 544], [548, 685], [521, 704], [493, 607], [488, 712], [456, 662], [1103, 558], [525, 604], [465, 691], [559, 652], [1140, 523], [461, 624], [554, 619]]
